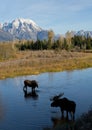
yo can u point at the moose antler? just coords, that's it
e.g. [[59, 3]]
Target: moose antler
[[56, 97]]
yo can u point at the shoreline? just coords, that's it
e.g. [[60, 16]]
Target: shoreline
[[36, 62], [84, 122]]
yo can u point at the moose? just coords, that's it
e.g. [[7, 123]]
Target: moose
[[30, 83], [65, 105]]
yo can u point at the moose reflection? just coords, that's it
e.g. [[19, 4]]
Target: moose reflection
[[63, 124], [32, 94], [65, 105], [30, 83]]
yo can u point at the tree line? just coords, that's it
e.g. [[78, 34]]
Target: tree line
[[68, 42]]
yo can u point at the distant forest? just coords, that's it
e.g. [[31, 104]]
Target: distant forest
[[67, 42]]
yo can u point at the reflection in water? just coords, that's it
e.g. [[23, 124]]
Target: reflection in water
[[32, 94], [50, 77], [24, 110], [63, 124], [1, 109]]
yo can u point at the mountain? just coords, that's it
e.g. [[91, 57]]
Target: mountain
[[83, 33], [4, 36], [24, 29], [42, 35], [27, 29]]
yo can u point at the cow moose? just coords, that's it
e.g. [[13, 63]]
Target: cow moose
[[30, 83], [65, 105]]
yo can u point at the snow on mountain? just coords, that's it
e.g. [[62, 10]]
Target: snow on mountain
[[25, 24], [27, 29], [84, 33], [23, 29]]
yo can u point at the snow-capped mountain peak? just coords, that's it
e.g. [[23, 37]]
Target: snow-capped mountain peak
[[27, 29], [22, 28], [23, 22]]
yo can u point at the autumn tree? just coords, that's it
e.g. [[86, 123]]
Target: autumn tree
[[69, 36], [61, 41], [50, 38]]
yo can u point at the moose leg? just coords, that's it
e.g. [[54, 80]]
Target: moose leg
[[25, 88], [67, 115], [62, 111], [73, 116], [32, 90]]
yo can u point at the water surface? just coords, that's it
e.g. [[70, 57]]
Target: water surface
[[21, 112]]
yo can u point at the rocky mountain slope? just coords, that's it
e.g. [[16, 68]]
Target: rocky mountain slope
[[4, 36]]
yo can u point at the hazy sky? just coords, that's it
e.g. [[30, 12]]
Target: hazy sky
[[58, 15]]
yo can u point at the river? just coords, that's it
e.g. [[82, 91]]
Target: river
[[20, 112]]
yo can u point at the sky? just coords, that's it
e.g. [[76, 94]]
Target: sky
[[59, 15]]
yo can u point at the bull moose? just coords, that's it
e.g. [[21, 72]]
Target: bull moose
[[65, 105], [30, 83]]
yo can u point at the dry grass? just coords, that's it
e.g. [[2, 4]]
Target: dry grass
[[7, 51], [35, 62], [15, 63]]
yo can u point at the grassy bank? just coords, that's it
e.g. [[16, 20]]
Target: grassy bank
[[85, 121], [35, 62]]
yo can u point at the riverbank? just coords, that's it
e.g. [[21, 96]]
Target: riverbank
[[35, 62], [85, 121]]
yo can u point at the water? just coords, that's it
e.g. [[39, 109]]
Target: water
[[20, 112]]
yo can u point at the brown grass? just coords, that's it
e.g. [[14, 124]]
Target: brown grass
[[16, 63], [35, 62]]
